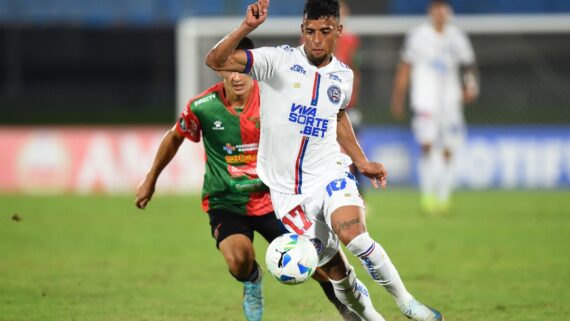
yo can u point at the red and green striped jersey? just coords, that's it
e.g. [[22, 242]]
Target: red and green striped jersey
[[230, 141]]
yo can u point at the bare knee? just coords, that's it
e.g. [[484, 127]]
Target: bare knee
[[348, 222]]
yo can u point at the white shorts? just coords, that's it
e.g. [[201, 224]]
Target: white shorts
[[310, 214], [446, 130]]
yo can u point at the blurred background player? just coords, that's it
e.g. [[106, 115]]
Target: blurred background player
[[346, 50], [440, 60], [226, 116]]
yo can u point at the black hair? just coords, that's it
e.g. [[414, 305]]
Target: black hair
[[316, 9], [433, 2], [245, 44]]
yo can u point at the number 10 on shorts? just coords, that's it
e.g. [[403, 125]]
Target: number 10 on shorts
[[297, 220]]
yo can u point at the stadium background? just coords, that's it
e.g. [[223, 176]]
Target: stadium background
[[87, 89], [114, 63]]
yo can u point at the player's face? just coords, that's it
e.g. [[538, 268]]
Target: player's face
[[439, 14], [236, 83], [319, 37]]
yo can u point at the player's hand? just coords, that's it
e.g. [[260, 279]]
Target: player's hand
[[376, 172], [256, 13], [144, 193]]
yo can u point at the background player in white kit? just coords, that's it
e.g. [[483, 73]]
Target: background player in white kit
[[441, 62], [304, 92]]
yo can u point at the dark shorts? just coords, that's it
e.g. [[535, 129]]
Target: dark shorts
[[224, 223]]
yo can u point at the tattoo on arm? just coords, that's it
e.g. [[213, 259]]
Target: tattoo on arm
[[347, 224]]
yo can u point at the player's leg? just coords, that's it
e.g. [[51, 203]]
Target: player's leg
[[234, 240], [270, 228], [453, 136], [425, 132], [350, 291], [344, 212]]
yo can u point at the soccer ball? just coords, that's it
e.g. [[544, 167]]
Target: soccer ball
[[291, 258]]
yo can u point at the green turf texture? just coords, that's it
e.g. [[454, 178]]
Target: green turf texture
[[498, 256]]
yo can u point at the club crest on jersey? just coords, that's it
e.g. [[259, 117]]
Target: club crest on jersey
[[218, 125], [334, 94], [318, 244]]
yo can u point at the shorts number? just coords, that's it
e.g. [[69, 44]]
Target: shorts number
[[336, 185], [297, 220]]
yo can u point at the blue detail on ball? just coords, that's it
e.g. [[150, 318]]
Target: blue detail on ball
[[294, 237], [285, 278], [286, 259], [303, 269]]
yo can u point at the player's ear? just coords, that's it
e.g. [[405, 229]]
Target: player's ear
[[339, 30]]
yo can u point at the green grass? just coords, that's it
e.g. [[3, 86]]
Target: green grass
[[500, 256]]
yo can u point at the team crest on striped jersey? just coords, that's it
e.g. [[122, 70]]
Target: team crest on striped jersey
[[334, 94]]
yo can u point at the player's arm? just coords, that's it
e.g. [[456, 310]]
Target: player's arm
[[347, 140], [224, 56], [166, 151], [401, 82], [470, 81]]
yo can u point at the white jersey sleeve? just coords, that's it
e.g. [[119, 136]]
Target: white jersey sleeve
[[264, 62], [409, 52], [466, 54]]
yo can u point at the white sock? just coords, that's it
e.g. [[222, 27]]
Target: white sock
[[426, 174], [376, 261], [352, 293]]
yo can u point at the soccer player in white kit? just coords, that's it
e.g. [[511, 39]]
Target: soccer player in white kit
[[304, 92], [441, 62]]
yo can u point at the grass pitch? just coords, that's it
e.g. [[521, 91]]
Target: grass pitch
[[498, 256]]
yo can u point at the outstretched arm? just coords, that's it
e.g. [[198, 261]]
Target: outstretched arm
[[401, 82], [224, 56], [166, 151], [347, 140]]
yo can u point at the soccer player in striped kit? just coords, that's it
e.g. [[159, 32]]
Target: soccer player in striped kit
[[226, 116], [304, 93]]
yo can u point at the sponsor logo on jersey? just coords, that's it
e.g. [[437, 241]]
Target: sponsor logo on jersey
[[249, 170], [218, 125], [334, 94], [318, 244], [204, 99], [286, 48], [335, 77], [299, 69], [229, 148], [241, 158], [306, 116]]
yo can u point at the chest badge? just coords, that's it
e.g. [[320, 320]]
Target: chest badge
[[334, 94]]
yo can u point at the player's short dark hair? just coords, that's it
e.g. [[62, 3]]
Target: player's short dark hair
[[434, 2], [245, 44], [316, 9]]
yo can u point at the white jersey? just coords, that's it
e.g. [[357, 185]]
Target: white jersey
[[436, 59], [299, 107]]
